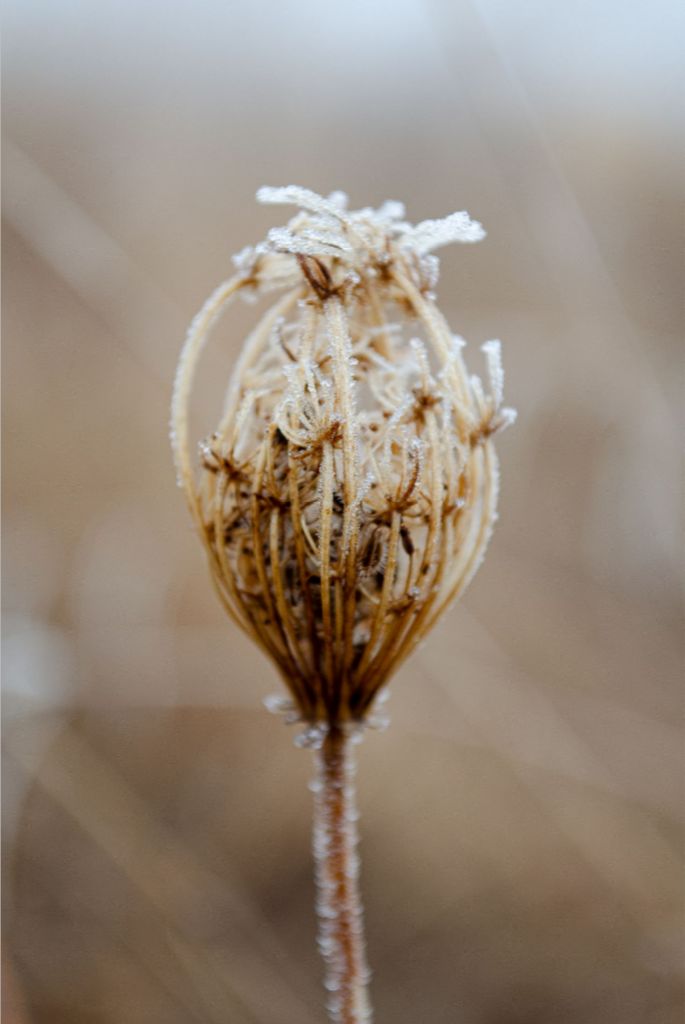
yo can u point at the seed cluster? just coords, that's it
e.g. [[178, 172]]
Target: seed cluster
[[348, 493]]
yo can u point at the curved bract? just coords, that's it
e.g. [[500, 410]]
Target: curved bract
[[348, 493]]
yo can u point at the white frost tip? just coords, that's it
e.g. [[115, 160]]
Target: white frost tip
[[493, 354], [308, 243], [295, 195], [339, 200], [431, 234], [378, 722], [277, 704], [391, 210], [243, 261], [312, 737]]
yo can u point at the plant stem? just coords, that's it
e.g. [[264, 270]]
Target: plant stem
[[339, 906]]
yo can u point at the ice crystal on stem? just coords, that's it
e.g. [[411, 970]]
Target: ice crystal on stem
[[347, 495], [339, 906]]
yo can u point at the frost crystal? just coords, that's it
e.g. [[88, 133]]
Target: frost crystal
[[294, 195], [431, 234]]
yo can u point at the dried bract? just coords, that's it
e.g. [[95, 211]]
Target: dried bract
[[348, 493]]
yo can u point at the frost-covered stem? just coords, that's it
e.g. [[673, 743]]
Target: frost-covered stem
[[339, 906]]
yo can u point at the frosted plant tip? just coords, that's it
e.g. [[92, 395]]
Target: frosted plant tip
[[347, 495]]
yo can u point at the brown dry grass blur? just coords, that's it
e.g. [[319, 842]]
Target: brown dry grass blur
[[521, 818]]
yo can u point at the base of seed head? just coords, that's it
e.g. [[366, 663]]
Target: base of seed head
[[348, 493]]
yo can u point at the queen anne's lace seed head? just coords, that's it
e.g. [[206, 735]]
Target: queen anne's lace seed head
[[348, 493]]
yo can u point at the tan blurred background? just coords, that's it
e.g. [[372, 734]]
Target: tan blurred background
[[522, 816]]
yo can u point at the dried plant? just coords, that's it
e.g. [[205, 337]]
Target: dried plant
[[348, 493]]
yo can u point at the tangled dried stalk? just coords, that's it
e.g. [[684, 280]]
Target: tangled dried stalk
[[348, 493]]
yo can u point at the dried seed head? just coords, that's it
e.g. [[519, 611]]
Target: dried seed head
[[348, 493]]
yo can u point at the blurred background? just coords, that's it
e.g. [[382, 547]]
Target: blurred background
[[522, 817]]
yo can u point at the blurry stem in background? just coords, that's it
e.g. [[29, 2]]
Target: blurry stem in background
[[339, 906]]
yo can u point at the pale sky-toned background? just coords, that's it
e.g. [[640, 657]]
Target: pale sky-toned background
[[522, 817]]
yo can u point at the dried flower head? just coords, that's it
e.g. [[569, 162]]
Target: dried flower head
[[348, 493]]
